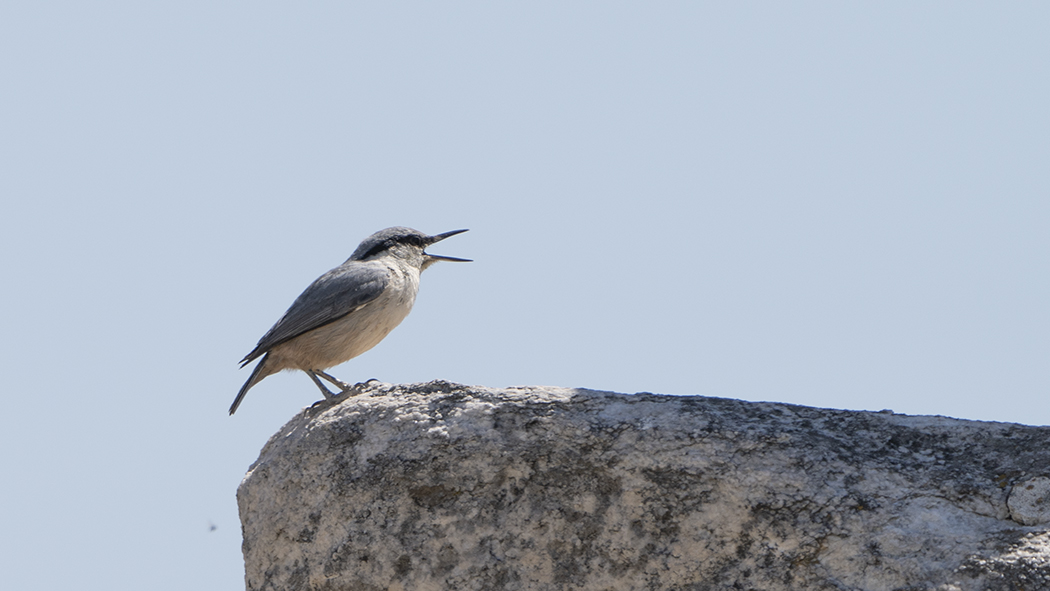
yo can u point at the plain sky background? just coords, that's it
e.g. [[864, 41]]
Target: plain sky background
[[823, 203]]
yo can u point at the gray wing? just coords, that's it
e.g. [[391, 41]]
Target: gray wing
[[335, 294]]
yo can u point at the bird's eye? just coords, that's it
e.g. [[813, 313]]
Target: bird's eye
[[413, 240]]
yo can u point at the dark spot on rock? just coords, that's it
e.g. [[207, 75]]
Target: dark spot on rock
[[432, 497], [403, 565]]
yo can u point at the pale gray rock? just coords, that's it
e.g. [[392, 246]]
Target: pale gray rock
[[1029, 501], [441, 486]]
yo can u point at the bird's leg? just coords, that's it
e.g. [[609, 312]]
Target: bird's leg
[[313, 376], [337, 383]]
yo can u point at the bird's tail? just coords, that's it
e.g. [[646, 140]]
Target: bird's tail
[[257, 375]]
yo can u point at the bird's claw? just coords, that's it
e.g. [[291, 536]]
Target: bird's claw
[[345, 391], [357, 388]]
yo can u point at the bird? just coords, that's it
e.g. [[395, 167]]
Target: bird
[[348, 310]]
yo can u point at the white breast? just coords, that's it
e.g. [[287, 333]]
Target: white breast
[[356, 332]]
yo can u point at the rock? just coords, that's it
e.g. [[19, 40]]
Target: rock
[[442, 486], [1029, 501]]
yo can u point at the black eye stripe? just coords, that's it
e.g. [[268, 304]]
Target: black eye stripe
[[377, 249], [389, 242]]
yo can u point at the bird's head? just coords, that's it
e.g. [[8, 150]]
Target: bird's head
[[404, 243]]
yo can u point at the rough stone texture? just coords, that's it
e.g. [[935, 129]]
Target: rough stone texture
[[1029, 501], [443, 486]]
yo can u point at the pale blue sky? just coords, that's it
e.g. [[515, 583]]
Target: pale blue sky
[[832, 204]]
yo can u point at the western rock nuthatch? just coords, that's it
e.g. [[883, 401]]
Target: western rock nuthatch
[[348, 310]]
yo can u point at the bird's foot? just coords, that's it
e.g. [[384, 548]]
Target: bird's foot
[[343, 386], [357, 388], [345, 390]]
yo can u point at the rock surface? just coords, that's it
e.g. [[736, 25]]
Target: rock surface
[[443, 486]]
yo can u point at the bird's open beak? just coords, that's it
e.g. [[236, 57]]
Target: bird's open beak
[[438, 238]]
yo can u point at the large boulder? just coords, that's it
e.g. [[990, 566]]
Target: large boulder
[[444, 486]]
